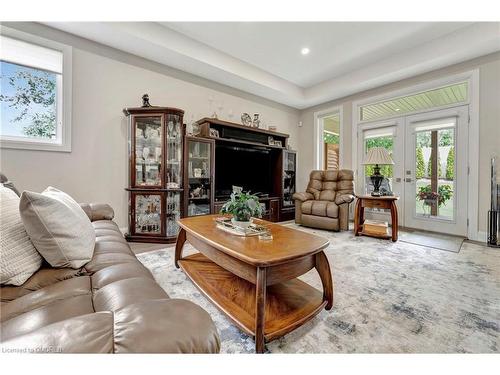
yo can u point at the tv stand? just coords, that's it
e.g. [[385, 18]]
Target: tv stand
[[277, 199]]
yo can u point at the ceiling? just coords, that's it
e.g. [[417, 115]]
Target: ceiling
[[264, 59]]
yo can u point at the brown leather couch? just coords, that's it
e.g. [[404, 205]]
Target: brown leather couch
[[111, 305], [325, 203]]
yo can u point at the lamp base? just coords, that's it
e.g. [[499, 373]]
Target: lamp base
[[376, 179]]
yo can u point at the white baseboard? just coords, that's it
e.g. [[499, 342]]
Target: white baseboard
[[481, 237]]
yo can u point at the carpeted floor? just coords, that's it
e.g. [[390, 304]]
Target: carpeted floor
[[389, 298]]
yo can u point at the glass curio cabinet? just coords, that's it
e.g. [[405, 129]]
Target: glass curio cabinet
[[199, 176], [155, 142]]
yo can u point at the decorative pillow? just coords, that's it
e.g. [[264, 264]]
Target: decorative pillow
[[18, 257], [58, 227]]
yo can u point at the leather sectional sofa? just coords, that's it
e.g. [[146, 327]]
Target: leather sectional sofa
[[325, 203], [111, 305]]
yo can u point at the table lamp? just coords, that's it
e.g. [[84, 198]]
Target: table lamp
[[377, 156]]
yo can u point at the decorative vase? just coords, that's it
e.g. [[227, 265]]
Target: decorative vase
[[241, 224]]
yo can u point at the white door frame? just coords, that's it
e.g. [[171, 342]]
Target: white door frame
[[318, 144], [457, 225], [398, 150], [472, 77]]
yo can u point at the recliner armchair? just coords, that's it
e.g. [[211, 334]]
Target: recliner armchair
[[325, 203]]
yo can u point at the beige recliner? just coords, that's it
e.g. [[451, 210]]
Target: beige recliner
[[325, 203]]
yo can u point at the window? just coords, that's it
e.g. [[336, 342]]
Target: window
[[431, 99], [379, 137], [35, 77], [331, 138]]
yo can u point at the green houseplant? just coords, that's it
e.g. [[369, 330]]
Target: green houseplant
[[242, 206]]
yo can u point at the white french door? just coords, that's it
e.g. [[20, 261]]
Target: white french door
[[433, 192], [435, 179]]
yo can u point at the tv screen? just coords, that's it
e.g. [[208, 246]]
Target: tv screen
[[248, 167]]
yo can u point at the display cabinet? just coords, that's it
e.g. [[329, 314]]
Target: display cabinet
[[199, 176], [289, 176], [156, 141]]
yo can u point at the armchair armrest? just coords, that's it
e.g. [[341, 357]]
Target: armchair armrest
[[98, 211], [344, 198], [304, 196]]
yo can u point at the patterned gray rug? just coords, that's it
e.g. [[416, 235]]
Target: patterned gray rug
[[389, 298]]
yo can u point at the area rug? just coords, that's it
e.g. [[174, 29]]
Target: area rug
[[388, 298]]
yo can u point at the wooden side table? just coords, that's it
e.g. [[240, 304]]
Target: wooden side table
[[387, 202]]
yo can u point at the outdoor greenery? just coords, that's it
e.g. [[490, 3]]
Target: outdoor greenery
[[331, 138], [242, 206], [450, 164], [386, 142], [420, 169], [429, 167], [33, 87], [444, 193]]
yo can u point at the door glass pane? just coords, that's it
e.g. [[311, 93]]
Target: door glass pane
[[148, 151], [435, 179], [173, 212], [331, 138], [148, 213], [379, 138], [174, 151], [199, 178], [288, 178]]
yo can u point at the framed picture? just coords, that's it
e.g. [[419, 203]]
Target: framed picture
[[277, 143], [214, 133]]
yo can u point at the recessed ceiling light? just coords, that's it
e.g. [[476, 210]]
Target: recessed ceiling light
[[397, 109], [305, 51]]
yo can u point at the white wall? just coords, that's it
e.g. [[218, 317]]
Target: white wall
[[96, 168], [489, 123]]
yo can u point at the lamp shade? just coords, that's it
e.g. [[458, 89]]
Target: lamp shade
[[377, 155]]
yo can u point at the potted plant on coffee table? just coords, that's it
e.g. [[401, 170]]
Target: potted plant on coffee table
[[243, 206]]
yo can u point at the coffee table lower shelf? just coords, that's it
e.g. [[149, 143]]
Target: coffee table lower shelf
[[289, 304]]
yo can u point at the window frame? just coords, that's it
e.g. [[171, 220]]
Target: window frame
[[64, 99]]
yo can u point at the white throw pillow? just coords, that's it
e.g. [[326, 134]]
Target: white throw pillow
[[58, 227], [18, 257]]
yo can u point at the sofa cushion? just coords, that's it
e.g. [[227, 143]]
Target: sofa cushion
[[60, 230], [124, 292], [62, 290], [45, 315], [189, 327], [18, 257], [45, 276]]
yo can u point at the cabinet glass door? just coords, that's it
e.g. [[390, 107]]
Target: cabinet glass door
[[199, 177], [148, 150], [173, 213], [288, 178], [147, 213], [174, 152]]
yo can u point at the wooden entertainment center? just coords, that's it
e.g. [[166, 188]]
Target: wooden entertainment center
[[282, 163], [172, 175]]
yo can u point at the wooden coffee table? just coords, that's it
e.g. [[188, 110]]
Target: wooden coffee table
[[254, 282]]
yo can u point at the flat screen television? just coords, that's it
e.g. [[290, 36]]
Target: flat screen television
[[248, 167]]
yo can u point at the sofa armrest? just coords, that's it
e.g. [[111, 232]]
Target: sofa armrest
[[152, 326], [90, 333], [344, 198], [98, 211], [304, 196]]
